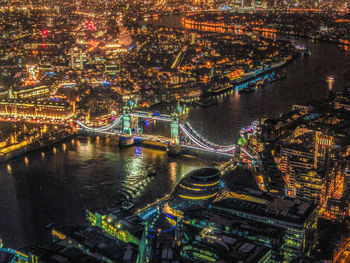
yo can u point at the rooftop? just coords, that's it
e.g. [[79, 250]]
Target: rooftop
[[200, 185], [279, 208], [32, 102]]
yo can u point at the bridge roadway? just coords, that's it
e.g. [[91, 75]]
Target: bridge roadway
[[151, 115]]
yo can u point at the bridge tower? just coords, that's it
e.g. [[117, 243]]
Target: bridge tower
[[126, 121], [130, 123], [174, 127]]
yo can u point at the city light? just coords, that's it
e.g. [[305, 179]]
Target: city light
[[185, 131], [44, 32], [91, 25]]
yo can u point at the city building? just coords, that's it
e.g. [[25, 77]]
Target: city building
[[81, 244], [117, 223], [298, 219], [29, 109], [29, 92], [309, 147], [302, 180], [224, 224], [77, 58], [198, 187]]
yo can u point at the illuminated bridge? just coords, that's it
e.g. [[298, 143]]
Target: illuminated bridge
[[127, 126]]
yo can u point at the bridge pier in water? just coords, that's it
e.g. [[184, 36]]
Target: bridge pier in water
[[125, 141]]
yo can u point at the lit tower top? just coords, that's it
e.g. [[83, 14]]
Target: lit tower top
[[330, 81]]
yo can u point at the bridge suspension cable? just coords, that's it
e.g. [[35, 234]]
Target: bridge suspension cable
[[204, 145], [202, 138], [246, 152], [197, 142], [204, 142], [103, 128]]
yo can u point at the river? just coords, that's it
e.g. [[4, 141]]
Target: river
[[56, 185]]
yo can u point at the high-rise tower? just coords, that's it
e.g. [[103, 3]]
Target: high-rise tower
[[330, 81]]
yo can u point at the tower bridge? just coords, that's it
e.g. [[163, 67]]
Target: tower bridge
[[183, 135]]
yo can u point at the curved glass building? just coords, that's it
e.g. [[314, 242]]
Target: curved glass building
[[197, 187]]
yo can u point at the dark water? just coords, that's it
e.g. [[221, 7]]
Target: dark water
[[305, 81], [56, 186]]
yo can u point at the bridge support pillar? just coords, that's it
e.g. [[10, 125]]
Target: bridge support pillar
[[130, 123], [125, 141], [174, 149], [126, 122], [134, 124]]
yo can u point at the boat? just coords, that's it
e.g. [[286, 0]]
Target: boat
[[261, 83], [153, 144], [302, 50], [249, 89], [254, 74], [206, 103], [174, 150], [280, 76]]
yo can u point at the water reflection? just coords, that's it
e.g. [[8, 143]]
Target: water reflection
[[56, 188], [9, 168], [136, 178], [172, 170]]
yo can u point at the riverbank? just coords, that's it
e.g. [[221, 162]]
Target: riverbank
[[39, 144], [272, 25]]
